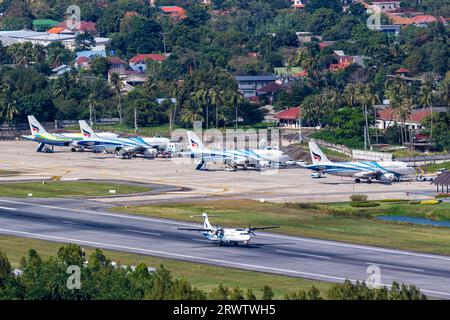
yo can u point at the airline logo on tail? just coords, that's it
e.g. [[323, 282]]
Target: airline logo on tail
[[316, 156], [86, 134], [194, 144], [34, 128]]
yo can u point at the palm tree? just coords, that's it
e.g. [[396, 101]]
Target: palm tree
[[350, 94], [62, 86], [426, 100], [116, 82], [444, 92], [191, 112], [234, 98], [363, 99], [216, 98], [9, 110]]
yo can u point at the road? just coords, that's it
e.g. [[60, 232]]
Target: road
[[76, 221]]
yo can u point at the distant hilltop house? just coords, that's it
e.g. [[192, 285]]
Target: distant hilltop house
[[174, 12], [138, 62], [344, 60], [390, 117], [297, 4], [288, 118], [383, 6], [45, 38], [248, 85]]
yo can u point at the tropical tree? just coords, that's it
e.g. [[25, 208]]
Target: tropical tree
[[426, 100], [191, 112], [117, 84]]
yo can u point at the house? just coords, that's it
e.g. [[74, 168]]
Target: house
[[248, 85], [80, 27], [290, 72], [174, 12], [297, 4], [82, 62], [129, 78], [389, 117], [61, 70], [138, 62], [116, 63], [384, 6], [344, 60], [306, 37], [288, 118], [205, 2], [402, 72], [386, 28]]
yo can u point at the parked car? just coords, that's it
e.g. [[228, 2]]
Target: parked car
[[441, 170], [291, 162], [421, 177], [301, 163]]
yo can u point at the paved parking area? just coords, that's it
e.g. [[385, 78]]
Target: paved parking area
[[280, 185]]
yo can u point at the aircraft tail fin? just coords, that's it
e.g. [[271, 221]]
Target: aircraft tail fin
[[35, 126], [317, 155], [206, 223], [86, 130], [195, 143]]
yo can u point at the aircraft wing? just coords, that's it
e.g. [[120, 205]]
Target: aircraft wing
[[195, 229], [264, 228]]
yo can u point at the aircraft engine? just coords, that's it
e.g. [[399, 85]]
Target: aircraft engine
[[389, 177]]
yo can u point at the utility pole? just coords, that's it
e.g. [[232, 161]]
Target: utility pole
[[91, 122], [365, 138], [135, 120]]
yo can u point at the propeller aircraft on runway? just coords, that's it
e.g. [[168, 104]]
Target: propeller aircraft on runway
[[386, 171], [224, 236], [234, 158]]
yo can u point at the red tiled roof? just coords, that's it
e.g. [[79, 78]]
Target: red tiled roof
[[402, 70], [115, 60], [289, 114], [151, 56], [84, 26], [424, 19], [339, 66], [56, 30], [82, 60], [391, 114], [174, 11], [271, 87]]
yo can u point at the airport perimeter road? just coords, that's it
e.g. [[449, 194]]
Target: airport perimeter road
[[63, 221]]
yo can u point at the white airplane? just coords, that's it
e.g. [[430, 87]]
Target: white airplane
[[224, 236], [386, 171], [234, 158], [121, 147]]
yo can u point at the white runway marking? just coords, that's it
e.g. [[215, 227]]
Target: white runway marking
[[395, 267], [303, 254], [143, 232], [177, 255], [7, 208]]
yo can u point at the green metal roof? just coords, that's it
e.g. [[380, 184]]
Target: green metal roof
[[45, 22]]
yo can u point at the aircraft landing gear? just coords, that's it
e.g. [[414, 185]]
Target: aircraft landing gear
[[357, 180], [236, 244], [369, 181]]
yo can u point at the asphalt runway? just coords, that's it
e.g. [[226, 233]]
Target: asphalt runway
[[75, 221]]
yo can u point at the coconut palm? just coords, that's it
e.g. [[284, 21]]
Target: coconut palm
[[117, 84], [350, 94], [426, 100], [191, 112], [9, 110]]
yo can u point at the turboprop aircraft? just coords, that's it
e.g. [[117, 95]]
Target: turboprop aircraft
[[234, 158], [121, 147], [224, 236], [385, 171]]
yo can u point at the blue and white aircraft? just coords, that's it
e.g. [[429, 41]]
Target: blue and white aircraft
[[233, 158], [224, 236], [121, 147], [386, 171]]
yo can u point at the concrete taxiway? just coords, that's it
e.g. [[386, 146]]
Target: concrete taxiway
[[68, 220], [284, 185]]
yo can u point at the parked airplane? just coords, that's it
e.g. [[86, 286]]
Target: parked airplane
[[234, 158], [386, 171], [121, 147], [222, 236], [46, 141]]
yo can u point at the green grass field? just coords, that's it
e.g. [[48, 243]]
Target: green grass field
[[202, 276], [333, 222], [432, 167], [55, 189]]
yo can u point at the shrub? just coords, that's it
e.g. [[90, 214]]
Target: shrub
[[364, 204], [443, 195], [358, 197], [414, 202]]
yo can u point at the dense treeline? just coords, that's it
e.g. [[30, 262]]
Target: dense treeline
[[214, 43], [101, 279]]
